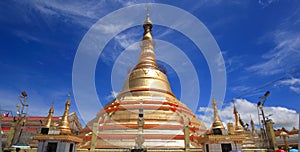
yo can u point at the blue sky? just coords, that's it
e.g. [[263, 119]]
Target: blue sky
[[259, 41]]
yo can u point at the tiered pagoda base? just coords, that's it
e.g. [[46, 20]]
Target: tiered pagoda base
[[163, 124]]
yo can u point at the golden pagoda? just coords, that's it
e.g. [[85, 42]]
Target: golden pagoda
[[145, 114], [238, 128], [64, 126], [49, 117], [60, 139], [217, 124], [253, 131], [249, 144]]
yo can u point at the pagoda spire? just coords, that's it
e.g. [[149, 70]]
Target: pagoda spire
[[49, 117], [217, 124], [252, 127], [64, 126], [238, 128], [147, 58], [146, 79], [147, 26]]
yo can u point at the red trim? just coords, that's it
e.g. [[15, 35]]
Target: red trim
[[146, 136], [146, 126], [160, 106], [146, 89], [30, 129], [5, 129], [29, 118]]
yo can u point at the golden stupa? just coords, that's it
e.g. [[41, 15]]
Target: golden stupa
[[146, 114], [217, 124], [238, 128]]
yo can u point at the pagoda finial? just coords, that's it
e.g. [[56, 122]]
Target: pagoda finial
[[64, 125], [49, 117], [148, 11], [217, 124], [238, 128], [148, 21], [252, 127], [147, 57], [147, 27]]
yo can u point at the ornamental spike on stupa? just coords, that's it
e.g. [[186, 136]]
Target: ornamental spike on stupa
[[49, 117], [64, 126], [238, 128], [253, 132], [147, 56], [217, 124]]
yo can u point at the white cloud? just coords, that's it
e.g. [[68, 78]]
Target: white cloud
[[83, 13], [293, 83], [266, 3], [232, 63], [128, 3], [282, 116], [112, 27], [126, 40], [112, 95], [284, 57], [295, 89], [129, 42], [26, 37], [240, 88], [80, 13], [220, 62]]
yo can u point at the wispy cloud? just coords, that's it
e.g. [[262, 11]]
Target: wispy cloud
[[80, 13], [266, 3], [232, 63], [111, 28], [293, 83], [112, 95], [83, 13], [240, 88], [128, 39], [220, 62], [131, 2], [26, 37], [295, 89], [283, 57], [247, 109]]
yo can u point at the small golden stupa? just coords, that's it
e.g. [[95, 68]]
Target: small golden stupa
[[217, 124], [145, 114], [64, 126], [238, 128], [60, 139], [49, 117]]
